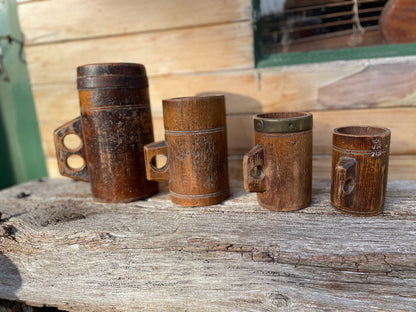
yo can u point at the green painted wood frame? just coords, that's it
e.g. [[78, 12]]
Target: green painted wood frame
[[21, 156], [293, 58]]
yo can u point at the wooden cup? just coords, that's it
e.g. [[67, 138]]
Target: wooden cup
[[196, 151], [114, 125], [360, 160], [279, 166]]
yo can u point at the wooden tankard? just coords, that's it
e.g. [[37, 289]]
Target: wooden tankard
[[279, 167], [196, 151], [360, 160], [114, 125]]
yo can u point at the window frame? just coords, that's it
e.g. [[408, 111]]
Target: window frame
[[319, 56]]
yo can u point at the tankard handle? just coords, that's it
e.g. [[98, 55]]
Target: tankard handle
[[344, 182], [152, 172], [63, 152], [253, 169]]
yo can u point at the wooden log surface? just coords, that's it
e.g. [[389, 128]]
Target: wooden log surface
[[59, 248]]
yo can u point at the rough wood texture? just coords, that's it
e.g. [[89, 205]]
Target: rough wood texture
[[360, 162], [78, 19], [60, 248], [279, 166], [196, 151], [208, 48]]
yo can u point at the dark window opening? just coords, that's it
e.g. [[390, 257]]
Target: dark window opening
[[299, 25]]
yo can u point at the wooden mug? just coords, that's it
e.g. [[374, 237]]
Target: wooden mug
[[360, 160], [114, 125], [279, 166], [196, 151]]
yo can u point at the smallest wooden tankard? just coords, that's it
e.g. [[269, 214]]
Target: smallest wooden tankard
[[196, 151], [279, 167], [360, 159]]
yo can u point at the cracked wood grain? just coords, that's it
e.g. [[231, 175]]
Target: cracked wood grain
[[71, 253]]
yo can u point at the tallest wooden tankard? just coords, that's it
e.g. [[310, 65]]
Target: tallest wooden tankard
[[114, 126]]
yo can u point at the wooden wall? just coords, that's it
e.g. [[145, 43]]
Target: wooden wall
[[194, 47]]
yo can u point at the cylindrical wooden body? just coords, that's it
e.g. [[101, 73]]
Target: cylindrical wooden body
[[196, 150], [360, 159], [279, 167], [116, 123]]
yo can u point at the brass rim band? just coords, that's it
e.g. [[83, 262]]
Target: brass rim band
[[273, 123]]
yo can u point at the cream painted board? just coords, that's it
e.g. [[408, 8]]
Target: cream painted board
[[61, 20], [56, 103], [246, 91], [376, 85], [199, 49]]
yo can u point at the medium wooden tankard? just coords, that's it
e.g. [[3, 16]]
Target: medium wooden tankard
[[196, 151], [279, 166]]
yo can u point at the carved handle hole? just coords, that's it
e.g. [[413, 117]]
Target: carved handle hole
[[257, 172], [75, 162], [348, 186], [72, 142], [159, 161]]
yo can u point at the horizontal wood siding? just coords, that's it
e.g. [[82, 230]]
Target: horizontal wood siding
[[266, 90], [201, 47], [62, 20]]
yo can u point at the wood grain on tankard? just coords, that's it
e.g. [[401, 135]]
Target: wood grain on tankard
[[114, 125], [360, 160], [279, 167], [196, 151]]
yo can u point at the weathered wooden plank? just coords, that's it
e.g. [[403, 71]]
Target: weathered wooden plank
[[375, 85], [249, 91], [208, 48], [235, 256], [77, 19]]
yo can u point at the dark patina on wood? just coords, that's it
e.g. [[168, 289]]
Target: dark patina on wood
[[360, 159], [196, 151], [279, 167], [114, 125]]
